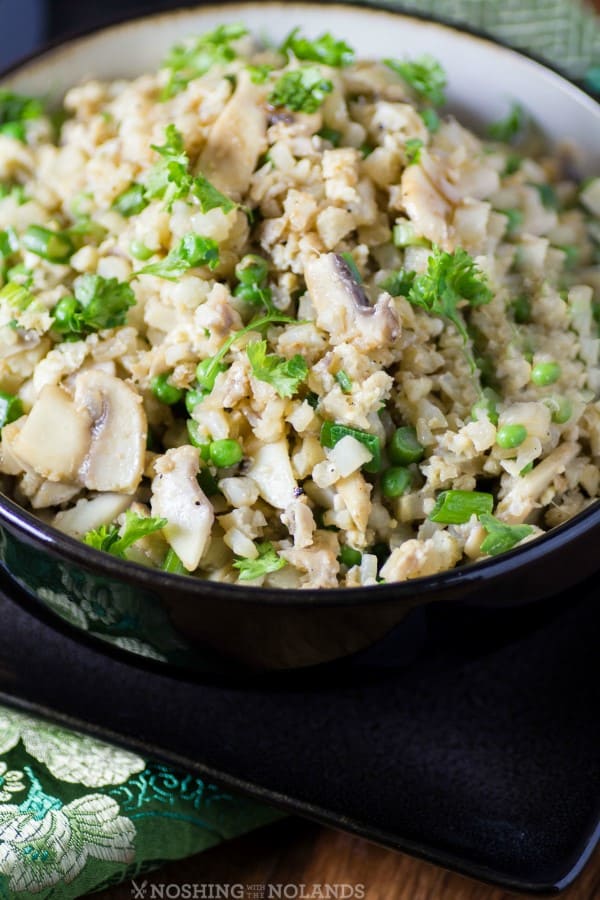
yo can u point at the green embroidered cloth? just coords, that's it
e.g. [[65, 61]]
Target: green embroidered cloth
[[77, 815]]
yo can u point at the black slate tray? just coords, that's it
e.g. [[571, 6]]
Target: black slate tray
[[482, 755]]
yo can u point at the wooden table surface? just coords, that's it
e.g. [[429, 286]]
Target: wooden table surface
[[296, 852]]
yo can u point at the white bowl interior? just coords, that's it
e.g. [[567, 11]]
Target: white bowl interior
[[484, 78]]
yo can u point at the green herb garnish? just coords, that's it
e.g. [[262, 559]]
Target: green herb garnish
[[266, 562], [507, 129], [192, 250], [301, 90], [98, 303], [117, 541], [285, 375], [186, 62], [324, 49], [333, 432], [457, 507], [424, 75]]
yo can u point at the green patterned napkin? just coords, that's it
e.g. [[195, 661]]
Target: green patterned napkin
[[77, 815]]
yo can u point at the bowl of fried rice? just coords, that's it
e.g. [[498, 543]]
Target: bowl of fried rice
[[299, 315]]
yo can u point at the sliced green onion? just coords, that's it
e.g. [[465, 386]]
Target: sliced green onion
[[349, 556], [55, 246], [332, 432], [457, 507], [395, 482], [501, 537], [404, 447]]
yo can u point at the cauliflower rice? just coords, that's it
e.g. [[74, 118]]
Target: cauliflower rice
[[267, 317]]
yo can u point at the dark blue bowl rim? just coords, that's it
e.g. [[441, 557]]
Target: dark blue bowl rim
[[62, 545]]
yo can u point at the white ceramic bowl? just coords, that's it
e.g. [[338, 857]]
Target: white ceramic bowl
[[484, 77], [175, 616]]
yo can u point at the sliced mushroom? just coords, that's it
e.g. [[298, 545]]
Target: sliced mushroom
[[524, 496], [343, 309], [115, 459], [87, 515], [271, 470], [177, 497], [237, 139], [55, 437], [53, 493]]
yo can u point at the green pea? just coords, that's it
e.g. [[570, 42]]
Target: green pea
[[198, 440], [510, 436], [395, 482], [11, 408], [560, 407], [404, 447], [164, 391], [206, 373], [225, 453], [252, 269], [544, 373], [349, 556], [140, 251], [193, 398]]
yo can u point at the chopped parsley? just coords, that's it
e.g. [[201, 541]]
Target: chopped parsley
[[330, 134], [507, 129], [170, 179], [301, 90], [194, 59], [267, 561], [117, 541], [431, 119], [547, 195], [424, 75], [192, 250], [15, 111], [500, 536], [131, 201], [209, 197], [412, 148], [98, 303], [325, 49], [399, 283], [285, 375], [259, 74]]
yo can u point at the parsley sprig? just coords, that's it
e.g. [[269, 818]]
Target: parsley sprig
[[450, 278], [194, 59], [285, 375], [325, 49], [267, 561], [117, 541], [170, 179], [505, 130]]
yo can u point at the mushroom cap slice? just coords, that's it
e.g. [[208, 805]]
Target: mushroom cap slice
[[343, 309], [55, 437], [115, 460], [177, 497]]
